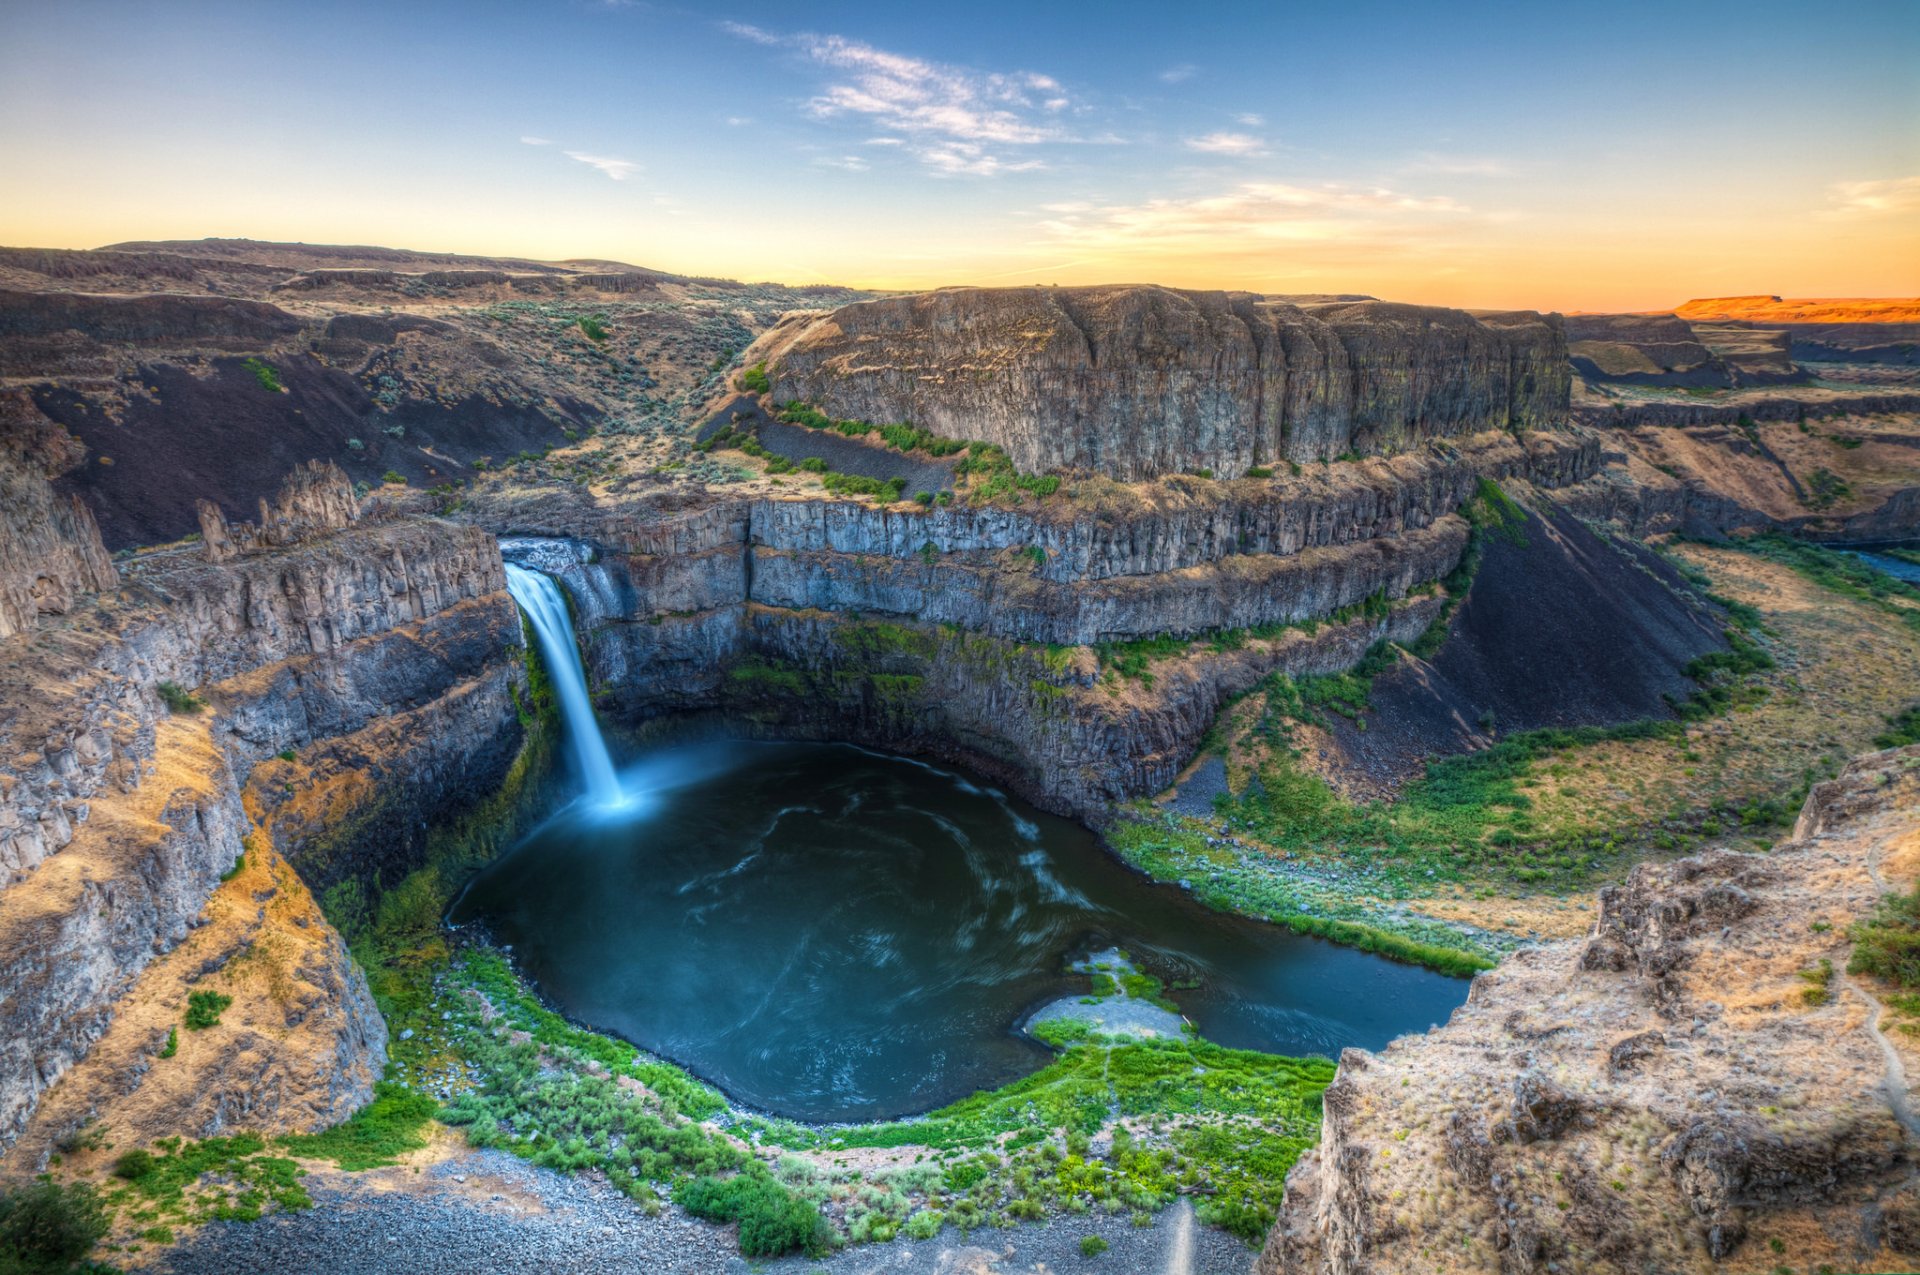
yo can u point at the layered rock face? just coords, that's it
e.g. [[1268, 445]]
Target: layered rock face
[[1134, 382], [365, 671], [50, 549], [928, 629], [1698, 1082]]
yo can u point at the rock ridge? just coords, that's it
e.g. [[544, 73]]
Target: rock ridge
[[1136, 382]]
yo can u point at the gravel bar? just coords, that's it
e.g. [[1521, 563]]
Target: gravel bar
[[485, 1211]]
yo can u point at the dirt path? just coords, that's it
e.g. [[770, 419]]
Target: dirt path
[[1899, 1096]]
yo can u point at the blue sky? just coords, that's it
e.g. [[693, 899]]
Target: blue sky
[[1499, 154]]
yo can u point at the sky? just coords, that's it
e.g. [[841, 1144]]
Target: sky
[[1625, 156]]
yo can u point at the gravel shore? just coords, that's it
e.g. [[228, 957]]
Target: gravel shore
[[486, 1211]]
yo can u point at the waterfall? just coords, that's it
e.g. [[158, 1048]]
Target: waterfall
[[546, 610]]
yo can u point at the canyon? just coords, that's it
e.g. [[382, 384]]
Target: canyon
[[253, 688]]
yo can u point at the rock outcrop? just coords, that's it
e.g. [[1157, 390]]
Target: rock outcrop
[[1696, 1085], [370, 669], [50, 548], [315, 498], [1134, 382]]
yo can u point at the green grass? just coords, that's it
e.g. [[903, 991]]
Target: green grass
[[1171, 851], [266, 374], [235, 1178], [1839, 572], [392, 1124]]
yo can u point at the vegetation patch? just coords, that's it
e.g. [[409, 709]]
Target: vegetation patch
[[204, 1009], [266, 374], [178, 699], [1902, 729], [1886, 944], [47, 1228]]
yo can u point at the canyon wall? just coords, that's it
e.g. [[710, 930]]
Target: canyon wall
[[1697, 1082], [963, 631], [1134, 382], [320, 699]]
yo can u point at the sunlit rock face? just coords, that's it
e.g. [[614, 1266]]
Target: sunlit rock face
[[1136, 381], [1663, 1094]]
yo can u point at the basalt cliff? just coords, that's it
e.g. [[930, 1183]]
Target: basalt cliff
[[1136, 382]]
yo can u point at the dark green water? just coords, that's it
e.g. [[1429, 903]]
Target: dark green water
[[829, 933]]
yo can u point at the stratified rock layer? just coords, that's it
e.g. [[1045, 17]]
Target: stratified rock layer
[[1696, 1086], [1135, 381], [369, 667]]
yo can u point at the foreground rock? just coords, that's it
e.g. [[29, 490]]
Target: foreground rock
[[1696, 1085]]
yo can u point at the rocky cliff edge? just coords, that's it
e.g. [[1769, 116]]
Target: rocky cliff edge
[[1697, 1085]]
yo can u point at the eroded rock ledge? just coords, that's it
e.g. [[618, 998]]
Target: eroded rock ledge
[[1697, 1085], [1139, 381]]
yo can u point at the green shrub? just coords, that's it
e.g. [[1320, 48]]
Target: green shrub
[[204, 1010], [266, 374], [46, 1227], [595, 330], [394, 476], [1902, 730], [1886, 944], [134, 1165], [773, 1220], [1092, 1246], [178, 699], [754, 380], [239, 865], [172, 1046], [1259, 471]]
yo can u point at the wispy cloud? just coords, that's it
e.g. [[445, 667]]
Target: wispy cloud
[[537, 141], [1179, 74], [1247, 119], [1227, 144], [958, 158], [948, 116], [739, 121], [851, 163], [1256, 214], [1849, 200], [1457, 165], [618, 169], [747, 31]]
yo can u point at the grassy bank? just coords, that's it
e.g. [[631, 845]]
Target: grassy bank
[[1490, 849]]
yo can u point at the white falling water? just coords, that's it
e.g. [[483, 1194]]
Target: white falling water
[[546, 610]]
